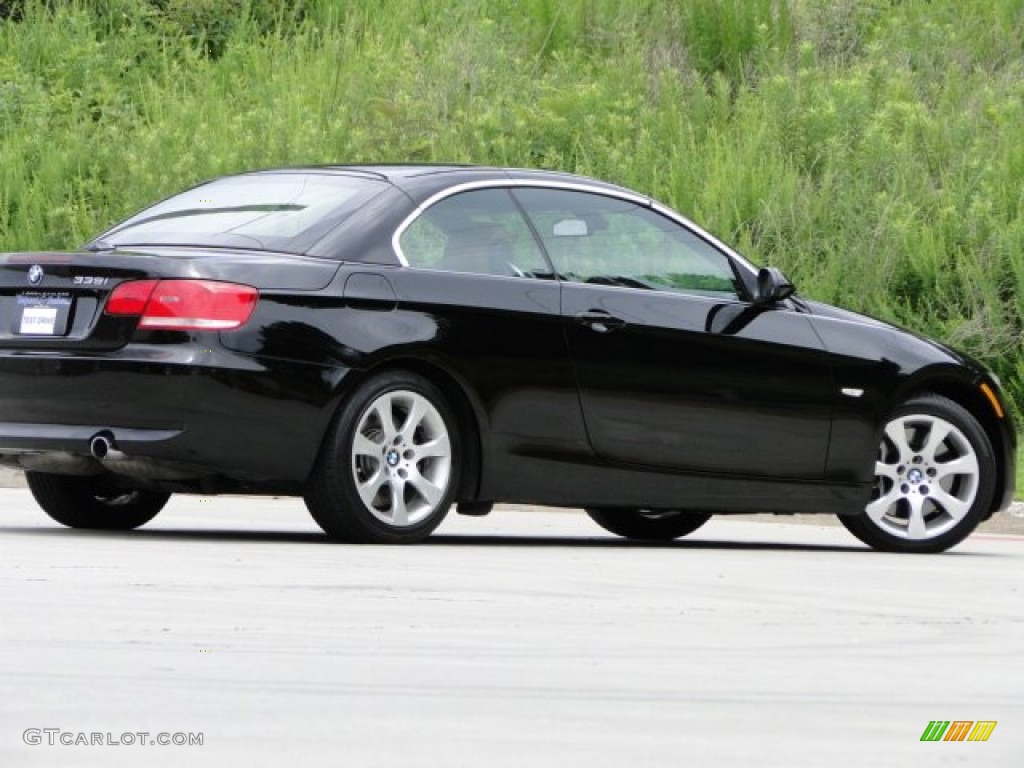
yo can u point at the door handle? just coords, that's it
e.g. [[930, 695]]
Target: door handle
[[599, 320]]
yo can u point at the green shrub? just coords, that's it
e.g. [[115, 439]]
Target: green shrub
[[869, 147]]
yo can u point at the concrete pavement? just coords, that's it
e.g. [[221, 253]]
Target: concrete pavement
[[1011, 521], [514, 640], [10, 478]]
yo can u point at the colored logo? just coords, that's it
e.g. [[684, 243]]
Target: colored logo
[[958, 730], [35, 274]]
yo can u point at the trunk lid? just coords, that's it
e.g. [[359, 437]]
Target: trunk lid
[[56, 300]]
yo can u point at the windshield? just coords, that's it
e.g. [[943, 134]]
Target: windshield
[[272, 211]]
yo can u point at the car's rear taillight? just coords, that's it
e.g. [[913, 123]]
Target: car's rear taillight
[[184, 305], [130, 298]]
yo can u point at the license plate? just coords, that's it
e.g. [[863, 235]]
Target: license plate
[[43, 314]]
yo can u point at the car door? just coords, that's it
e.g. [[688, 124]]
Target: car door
[[675, 367], [479, 285]]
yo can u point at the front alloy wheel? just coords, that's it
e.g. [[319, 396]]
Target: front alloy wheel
[[388, 471], [934, 479]]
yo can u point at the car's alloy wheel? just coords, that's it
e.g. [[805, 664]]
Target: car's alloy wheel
[[389, 469], [92, 502], [934, 479], [647, 524]]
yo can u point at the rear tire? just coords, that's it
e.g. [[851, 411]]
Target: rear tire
[[389, 467], [92, 502], [934, 479], [647, 524]]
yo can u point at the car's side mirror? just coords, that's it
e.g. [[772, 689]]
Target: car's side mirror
[[773, 286]]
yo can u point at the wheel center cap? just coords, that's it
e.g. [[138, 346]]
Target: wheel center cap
[[393, 458], [915, 476]]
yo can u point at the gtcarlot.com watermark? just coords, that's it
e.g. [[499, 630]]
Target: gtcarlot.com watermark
[[57, 736]]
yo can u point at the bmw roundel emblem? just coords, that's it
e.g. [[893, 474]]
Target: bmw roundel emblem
[[35, 274]]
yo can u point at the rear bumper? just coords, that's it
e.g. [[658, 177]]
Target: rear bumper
[[22, 438], [67, 448], [177, 414]]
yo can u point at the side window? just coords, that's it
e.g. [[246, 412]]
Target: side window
[[604, 240], [480, 231]]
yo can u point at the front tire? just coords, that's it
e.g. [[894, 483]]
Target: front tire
[[934, 479], [647, 524], [389, 468], [92, 502]]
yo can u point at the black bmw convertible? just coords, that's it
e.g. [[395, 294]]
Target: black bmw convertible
[[390, 341]]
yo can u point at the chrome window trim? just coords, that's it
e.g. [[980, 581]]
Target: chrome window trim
[[630, 197], [696, 229], [533, 280]]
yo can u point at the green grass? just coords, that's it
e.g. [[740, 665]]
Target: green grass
[[871, 148], [1019, 487]]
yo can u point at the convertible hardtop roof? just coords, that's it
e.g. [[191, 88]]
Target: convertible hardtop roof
[[409, 170], [401, 173]]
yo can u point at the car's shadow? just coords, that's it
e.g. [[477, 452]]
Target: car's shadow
[[609, 543], [447, 540]]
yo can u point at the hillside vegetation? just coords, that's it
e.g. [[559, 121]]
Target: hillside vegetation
[[874, 149]]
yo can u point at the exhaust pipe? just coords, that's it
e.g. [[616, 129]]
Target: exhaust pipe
[[102, 449]]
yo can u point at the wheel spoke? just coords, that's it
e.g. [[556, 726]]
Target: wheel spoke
[[953, 506], [964, 465], [412, 420], [384, 408], [878, 508], [369, 489], [428, 490], [897, 432], [399, 512], [916, 528], [364, 446], [887, 470], [938, 432], [440, 446]]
